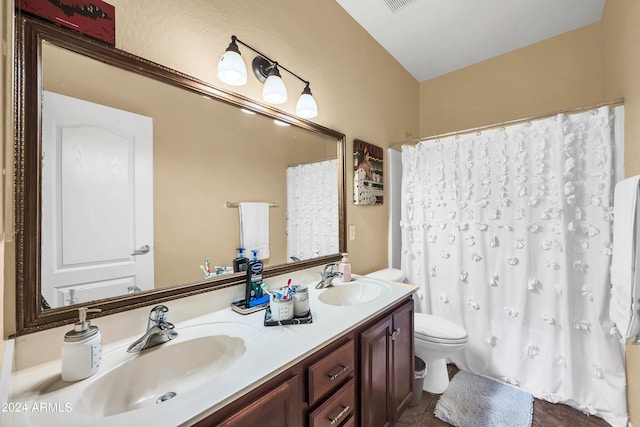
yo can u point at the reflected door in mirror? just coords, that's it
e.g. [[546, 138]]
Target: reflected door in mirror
[[97, 210]]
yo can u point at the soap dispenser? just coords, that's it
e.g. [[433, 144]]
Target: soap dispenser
[[81, 349], [241, 263], [345, 268]]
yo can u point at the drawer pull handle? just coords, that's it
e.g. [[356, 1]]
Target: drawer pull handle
[[343, 369], [334, 420], [394, 334]]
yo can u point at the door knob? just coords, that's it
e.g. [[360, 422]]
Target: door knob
[[143, 250]]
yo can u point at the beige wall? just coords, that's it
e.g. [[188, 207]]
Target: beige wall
[[561, 72], [597, 63], [361, 91]]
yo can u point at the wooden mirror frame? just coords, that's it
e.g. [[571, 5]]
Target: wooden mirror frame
[[30, 33]]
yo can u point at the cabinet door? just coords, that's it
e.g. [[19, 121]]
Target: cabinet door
[[402, 360], [375, 369], [275, 408]]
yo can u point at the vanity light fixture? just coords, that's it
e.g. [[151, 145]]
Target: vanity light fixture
[[232, 70], [274, 91]]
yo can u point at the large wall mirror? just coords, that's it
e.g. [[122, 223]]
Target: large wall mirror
[[128, 176]]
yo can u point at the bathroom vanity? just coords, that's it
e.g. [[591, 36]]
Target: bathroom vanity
[[352, 365], [363, 378]]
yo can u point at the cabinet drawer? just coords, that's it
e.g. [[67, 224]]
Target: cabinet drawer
[[336, 409], [351, 422], [331, 371]]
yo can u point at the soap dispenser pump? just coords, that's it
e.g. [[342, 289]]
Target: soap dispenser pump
[[81, 349], [345, 268]]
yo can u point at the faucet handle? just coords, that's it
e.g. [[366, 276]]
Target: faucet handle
[[328, 269], [167, 326], [158, 315]]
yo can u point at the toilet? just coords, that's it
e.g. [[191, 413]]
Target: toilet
[[435, 338]]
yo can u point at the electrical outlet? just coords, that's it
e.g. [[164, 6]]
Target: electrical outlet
[[352, 232]]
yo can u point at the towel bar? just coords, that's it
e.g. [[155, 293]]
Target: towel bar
[[235, 205]]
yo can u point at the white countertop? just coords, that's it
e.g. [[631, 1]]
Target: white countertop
[[39, 398]]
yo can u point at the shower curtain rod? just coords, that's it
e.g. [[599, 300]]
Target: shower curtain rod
[[615, 102]]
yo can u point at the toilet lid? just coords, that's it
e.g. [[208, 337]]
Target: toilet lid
[[392, 274], [444, 341], [437, 329]]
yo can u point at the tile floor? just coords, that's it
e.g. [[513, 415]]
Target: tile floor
[[545, 414]]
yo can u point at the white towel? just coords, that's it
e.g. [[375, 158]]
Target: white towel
[[254, 228], [625, 262]]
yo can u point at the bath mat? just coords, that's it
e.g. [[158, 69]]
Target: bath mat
[[475, 401]]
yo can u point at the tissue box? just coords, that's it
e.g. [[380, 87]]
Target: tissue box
[[94, 18]]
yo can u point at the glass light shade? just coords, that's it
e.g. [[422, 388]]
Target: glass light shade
[[231, 69], [274, 91], [306, 106]]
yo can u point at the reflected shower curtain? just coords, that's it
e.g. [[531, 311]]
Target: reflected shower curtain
[[508, 233], [312, 209]]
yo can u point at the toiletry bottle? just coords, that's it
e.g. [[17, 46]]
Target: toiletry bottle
[[81, 349], [254, 279], [241, 262], [345, 268]]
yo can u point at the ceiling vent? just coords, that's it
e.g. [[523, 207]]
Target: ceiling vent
[[396, 5]]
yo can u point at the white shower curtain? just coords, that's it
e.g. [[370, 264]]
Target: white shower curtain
[[508, 233], [312, 209]]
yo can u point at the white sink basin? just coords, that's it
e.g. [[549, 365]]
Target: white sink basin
[[158, 374], [359, 291]]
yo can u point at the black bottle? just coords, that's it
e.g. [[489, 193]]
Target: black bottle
[[241, 263]]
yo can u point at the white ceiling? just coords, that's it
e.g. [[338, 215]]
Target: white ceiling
[[433, 37]]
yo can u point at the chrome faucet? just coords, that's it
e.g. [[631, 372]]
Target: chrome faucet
[[328, 275], [159, 331]]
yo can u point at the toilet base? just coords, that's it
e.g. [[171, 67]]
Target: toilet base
[[437, 376]]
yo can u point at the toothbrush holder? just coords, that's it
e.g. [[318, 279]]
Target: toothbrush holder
[[281, 309]]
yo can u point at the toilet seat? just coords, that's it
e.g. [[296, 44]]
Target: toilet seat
[[438, 330]]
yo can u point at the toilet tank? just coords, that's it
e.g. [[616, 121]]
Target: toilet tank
[[392, 274]]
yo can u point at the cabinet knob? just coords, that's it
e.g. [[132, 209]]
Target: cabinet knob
[[335, 419], [394, 334]]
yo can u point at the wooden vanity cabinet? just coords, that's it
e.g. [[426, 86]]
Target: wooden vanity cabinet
[[331, 387], [364, 378], [276, 407], [276, 403], [314, 392], [386, 367]]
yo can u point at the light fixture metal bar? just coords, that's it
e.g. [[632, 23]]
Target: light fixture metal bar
[[270, 60]]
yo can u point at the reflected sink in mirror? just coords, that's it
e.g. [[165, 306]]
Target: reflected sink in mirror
[[359, 291], [198, 355]]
